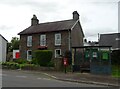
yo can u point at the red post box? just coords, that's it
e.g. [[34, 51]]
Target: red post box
[[17, 55], [65, 61]]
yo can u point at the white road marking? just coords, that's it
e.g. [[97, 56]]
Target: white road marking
[[21, 76], [49, 75], [44, 78], [39, 78]]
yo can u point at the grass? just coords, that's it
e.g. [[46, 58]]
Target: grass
[[116, 71]]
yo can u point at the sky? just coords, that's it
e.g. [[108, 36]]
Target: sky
[[96, 16]]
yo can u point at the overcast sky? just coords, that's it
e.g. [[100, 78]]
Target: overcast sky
[[96, 16]]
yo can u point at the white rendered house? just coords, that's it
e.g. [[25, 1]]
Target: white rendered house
[[3, 48]]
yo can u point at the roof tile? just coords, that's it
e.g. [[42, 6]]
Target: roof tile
[[49, 27]]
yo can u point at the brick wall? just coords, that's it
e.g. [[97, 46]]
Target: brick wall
[[50, 43], [77, 36]]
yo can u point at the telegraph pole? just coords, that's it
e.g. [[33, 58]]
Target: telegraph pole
[[98, 37]]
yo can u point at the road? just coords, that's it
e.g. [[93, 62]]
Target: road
[[15, 78]]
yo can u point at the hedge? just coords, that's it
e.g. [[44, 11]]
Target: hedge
[[21, 61], [43, 57], [10, 65], [13, 65]]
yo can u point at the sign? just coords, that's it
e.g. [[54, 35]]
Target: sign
[[16, 54], [105, 56], [94, 54]]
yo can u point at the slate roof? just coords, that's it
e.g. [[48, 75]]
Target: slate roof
[[110, 40], [49, 27]]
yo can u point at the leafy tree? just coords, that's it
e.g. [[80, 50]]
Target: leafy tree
[[14, 44]]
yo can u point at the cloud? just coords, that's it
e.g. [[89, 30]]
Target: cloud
[[95, 15], [45, 4], [5, 27]]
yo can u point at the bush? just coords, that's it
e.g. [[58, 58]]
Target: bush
[[21, 61], [28, 66], [51, 64], [43, 57], [34, 61], [13, 65], [10, 65]]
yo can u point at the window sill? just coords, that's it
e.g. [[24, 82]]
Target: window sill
[[58, 45]]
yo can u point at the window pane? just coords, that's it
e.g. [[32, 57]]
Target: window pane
[[29, 55], [29, 41], [43, 40], [58, 52], [58, 39], [94, 54], [29, 52]]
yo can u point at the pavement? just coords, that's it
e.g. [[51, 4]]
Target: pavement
[[87, 78]]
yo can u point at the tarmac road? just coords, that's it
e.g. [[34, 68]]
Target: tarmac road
[[15, 78]]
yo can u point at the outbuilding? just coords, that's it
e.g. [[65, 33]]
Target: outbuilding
[[3, 48]]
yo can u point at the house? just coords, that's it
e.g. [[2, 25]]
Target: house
[[58, 36], [90, 43], [3, 48], [85, 43], [112, 39]]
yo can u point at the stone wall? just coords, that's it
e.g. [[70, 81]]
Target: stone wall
[[50, 43]]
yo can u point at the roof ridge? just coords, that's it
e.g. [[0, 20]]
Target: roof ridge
[[49, 26], [109, 33], [56, 21]]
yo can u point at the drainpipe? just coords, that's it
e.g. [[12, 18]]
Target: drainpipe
[[69, 39]]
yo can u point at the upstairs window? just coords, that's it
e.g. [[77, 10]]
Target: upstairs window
[[42, 40], [58, 39], [29, 41]]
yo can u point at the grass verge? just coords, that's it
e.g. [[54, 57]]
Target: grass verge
[[116, 71]]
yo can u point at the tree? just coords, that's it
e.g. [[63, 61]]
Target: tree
[[14, 44]]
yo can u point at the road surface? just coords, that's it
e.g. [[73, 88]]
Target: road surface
[[15, 78]]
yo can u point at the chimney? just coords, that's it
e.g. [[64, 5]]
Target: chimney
[[34, 21], [75, 15]]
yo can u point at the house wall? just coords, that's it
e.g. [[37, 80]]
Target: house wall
[[0, 48], [119, 17], [4, 50], [50, 43], [3, 46], [77, 36]]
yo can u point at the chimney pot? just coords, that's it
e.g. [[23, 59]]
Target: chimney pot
[[34, 20], [75, 15]]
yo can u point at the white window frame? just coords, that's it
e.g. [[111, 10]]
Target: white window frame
[[29, 41], [29, 58], [57, 41], [94, 55], [56, 52], [43, 40]]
